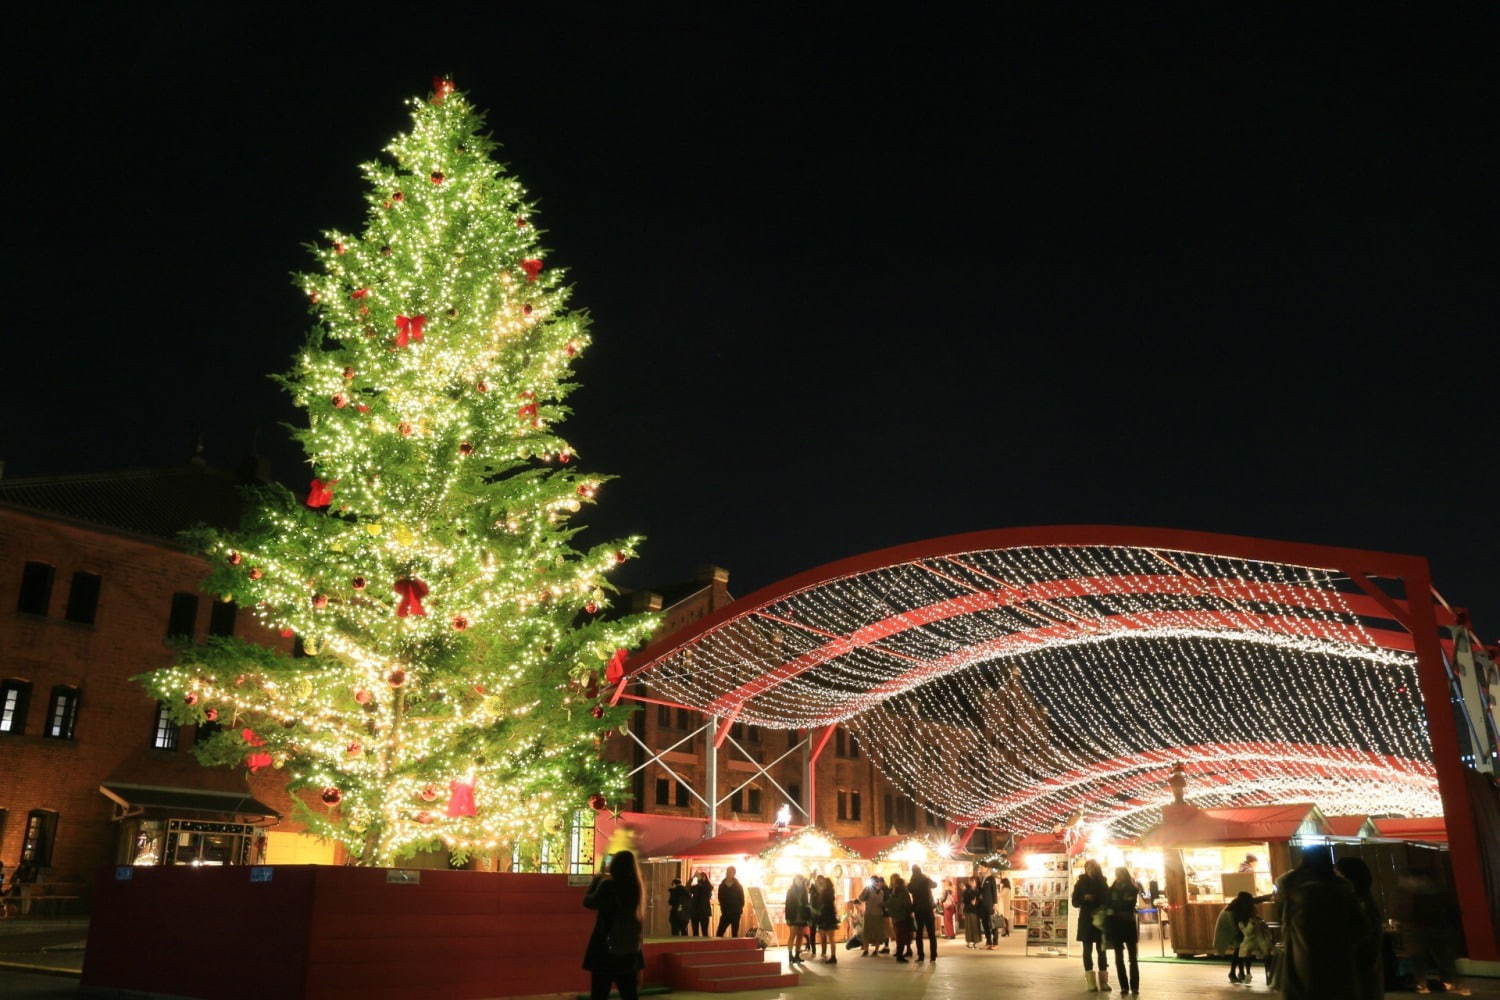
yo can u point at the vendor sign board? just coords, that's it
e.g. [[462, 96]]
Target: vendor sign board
[[1045, 886]]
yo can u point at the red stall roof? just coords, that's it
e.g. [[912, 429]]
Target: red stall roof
[[1429, 829], [1228, 826], [1347, 826]]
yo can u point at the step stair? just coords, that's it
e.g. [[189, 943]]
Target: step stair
[[726, 966]]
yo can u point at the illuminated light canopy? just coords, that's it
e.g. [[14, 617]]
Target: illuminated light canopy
[[1024, 677]]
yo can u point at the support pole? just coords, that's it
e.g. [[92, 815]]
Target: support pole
[[711, 764], [810, 771], [1465, 848]]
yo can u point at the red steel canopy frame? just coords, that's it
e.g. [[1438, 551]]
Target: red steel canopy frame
[[1059, 612]]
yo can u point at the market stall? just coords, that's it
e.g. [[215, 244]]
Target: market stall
[[1210, 855], [896, 854]]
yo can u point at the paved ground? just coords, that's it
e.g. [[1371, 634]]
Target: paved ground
[[958, 975]]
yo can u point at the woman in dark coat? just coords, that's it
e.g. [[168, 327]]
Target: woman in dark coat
[[798, 915], [828, 917], [1369, 956], [1121, 932], [613, 956], [1090, 892], [1320, 921], [702, 891], [679, 903]]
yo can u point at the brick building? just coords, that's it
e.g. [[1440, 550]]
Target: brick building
[[93, 586]]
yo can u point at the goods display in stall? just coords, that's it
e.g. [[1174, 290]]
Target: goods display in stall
[[1046, 889], [892, 854]]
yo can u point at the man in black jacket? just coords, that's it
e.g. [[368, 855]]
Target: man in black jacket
[[923, 911], [989, 895], [731, 903]]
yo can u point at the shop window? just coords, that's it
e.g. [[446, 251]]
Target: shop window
[[62, 713], [737, 800], [36, 588], [221, 618], [164, 734], [682, 794], [83, 598], [854, 804], [195, 842], [183, 621], [14, 696], [664, 716], [41, 831], [843, 800], [663, 791], [755, 800]]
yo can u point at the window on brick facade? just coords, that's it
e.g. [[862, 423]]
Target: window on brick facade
[[14, 697], [794, 792], [838, 743], [683, 721], [854, 804], [755, 800], [36, 588], [62, 713], [41, 831], [890, 810], [663, 792], [164, 733], [204, 730], [182, 623], [754, 734], [83, 598], [682, 795], [843, 804], [738, 731], [853, 745], [221, 618], [663, 716], [792, 738], [737, 800]]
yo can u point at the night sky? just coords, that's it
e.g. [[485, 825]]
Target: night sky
[[853, 283]]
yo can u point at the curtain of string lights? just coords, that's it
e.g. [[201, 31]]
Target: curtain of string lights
[[1024, 686]]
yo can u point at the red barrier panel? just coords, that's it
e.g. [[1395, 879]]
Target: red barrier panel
[[320, 933]]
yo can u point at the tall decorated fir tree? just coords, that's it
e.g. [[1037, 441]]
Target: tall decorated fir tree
[[450, 689]]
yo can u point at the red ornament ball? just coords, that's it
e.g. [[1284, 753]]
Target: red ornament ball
[[620, 557], [591, 608], [353, 750], [571, 349], [460, 623], [482, 385], [255, 573], [314, 298], [332, 796], [340, 401], [532, 266], [466, 449], [190, 699], [429, 793], [423, 817], [363, 696], [437, 178], [338, 247], [398, 196], [212, 715], [597, 711], [396, 678], [287, 633], [359, 293], [521, 223], [320, 601], [362, 408], [358, 582], [235, 558], [597, 801], [565, 457], [404, 428], [479, 689], [348, 372]]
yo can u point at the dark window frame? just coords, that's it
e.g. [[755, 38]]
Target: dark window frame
[[663, 717], [737, 800], [165, 733], [680, 795], [22, 691], [83, 598], [182, 619], [754, 802], [39, 838], [37, 580], [854, 804], [62, 713], [222, 617], [663, 792], [843, 804]]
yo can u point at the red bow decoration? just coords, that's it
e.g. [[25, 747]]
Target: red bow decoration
[[412, 591], [320, 494], [409, 327], [615, 671], [461, 798], [255, 761], [532, 266]]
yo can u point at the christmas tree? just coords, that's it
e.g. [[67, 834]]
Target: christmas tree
[[449, 691]]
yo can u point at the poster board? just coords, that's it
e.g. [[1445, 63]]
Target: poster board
[[1048, 902], [765, 928]]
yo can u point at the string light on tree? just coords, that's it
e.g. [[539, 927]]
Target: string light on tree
[[412, 569]]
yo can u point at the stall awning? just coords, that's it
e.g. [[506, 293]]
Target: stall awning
[[1351, 826], [1251, 824], [1429, 829], [734, 844], [186, 800]]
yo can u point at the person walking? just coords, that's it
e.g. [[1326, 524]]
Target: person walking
[[702, 892], [679, 906], [1320, 921], [731, 903], [1121, 931], [971, 911], [613, 956], [899, 906], [875, 933], [1005, 904], [923, 911], [798, 915], [1090, 892], [1369, 950], [828, 918], [989, 896], [948, 903], [1228, 935]]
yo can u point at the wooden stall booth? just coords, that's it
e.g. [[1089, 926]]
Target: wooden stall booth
[[895, 854], [1210, 855], [765, 862]]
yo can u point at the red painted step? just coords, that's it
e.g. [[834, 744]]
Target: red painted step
[[724, 966]]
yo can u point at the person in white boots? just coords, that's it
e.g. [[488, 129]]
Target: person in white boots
[[1090, 893]]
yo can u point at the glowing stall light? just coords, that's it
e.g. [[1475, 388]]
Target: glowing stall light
[[1070, 678]]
